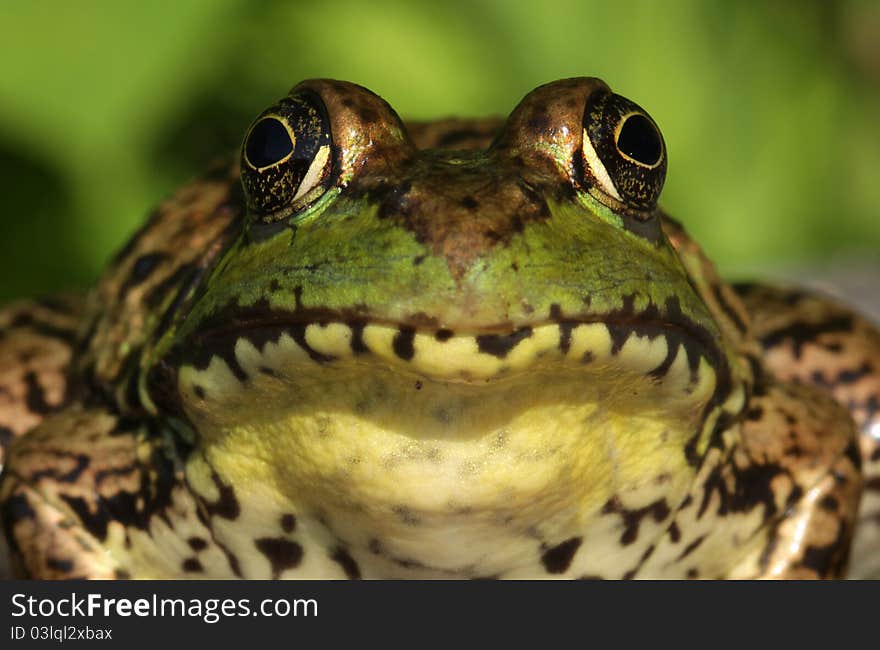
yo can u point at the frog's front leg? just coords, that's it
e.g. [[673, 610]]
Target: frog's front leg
[[88, 494], [810, 339], [799, 449]]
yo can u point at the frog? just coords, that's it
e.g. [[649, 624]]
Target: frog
[[473, 348]]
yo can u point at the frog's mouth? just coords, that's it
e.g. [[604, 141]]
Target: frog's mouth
[[277, 343]]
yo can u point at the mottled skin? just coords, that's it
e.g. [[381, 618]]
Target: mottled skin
[[469, 348]]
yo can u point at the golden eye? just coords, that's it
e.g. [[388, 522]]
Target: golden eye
[[623, 151], [285, 159]]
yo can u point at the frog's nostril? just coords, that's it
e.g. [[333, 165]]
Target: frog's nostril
[[268, 143]]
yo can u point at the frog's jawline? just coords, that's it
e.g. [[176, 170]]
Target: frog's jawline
[[261, 326]]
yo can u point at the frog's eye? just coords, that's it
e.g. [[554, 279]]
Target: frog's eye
[[285, 160], [623, 151]]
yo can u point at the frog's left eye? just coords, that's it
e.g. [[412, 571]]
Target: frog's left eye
[[623, 151], [285, 159]]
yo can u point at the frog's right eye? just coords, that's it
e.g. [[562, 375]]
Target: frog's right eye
[[623, 152], [286, 162]]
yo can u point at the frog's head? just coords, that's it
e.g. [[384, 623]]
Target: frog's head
[[450, 328]]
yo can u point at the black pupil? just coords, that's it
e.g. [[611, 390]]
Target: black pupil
[[639, 140], [268, 143]]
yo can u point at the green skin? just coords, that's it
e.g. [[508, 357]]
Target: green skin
[[400, 357]]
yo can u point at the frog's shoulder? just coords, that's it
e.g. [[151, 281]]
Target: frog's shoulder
[[88, 481], [152, 276], [37, 343], [813, 340]]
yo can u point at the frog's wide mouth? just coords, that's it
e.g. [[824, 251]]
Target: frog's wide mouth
[[267, 342]]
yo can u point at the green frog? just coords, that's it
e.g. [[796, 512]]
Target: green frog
[[473, 348]]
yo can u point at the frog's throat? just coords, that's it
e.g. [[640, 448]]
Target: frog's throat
[[448, 434]]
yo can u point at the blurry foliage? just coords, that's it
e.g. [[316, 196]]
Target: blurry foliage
[[769, 109]]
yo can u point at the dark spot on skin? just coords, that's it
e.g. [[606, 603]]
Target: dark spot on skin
[[122, 574], [844, 377], [199, 391], [558, 558], [829, 561], [49, 330], [374, 547], [539, 121], [692, 574], [516, 224], [34, 397], [288, 522], [754, 414], [852, 452], [800, 333], [81, 462], [141, 270], [470, 203], [751, 487], [418, 385], [57, 564], [443, 335], [357, 338], [131, 369], [349, 566], [197, 544], [674, 533], [281, 553], [690, 548], [226, 505], [192, 565], [6, 436], [728, 309], [406, 515], [15, 508], [403, 343], [367, 115], [298, 333], [658, 510], [500, 345], [829, 502]]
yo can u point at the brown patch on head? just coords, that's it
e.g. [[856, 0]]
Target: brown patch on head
[[549, 120], [461, 205], [366, 131]]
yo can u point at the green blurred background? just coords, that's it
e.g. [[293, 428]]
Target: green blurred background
[[770, 110]]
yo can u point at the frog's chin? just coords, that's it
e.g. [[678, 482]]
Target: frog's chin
[[372, 452]]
